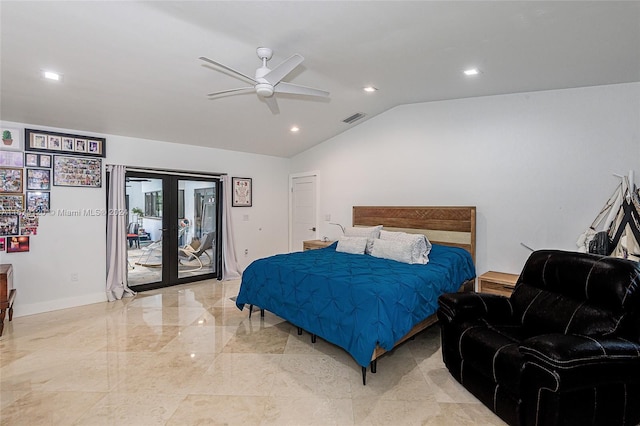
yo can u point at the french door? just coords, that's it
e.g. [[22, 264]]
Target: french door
[[173, 229]]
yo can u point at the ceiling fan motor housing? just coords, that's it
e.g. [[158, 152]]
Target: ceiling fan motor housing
[[264, 89]]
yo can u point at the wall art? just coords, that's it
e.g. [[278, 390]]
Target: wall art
[[38, 179], [11, 159], [242, 192], [64, 143], [11, 139], [10, 179], [38, 201], [11, 203], [76, 171]]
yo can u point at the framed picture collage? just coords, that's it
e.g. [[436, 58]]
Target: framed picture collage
[[29, 167]]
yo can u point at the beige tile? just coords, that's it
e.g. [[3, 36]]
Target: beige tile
[[131, 409], [314, 376], [283, 411], [207, 410], [239, 374], [48, 408], [186, 355]]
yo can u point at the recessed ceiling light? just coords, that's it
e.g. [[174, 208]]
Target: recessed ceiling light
[[50, 75], [472, 71], [370, 89], [294, 129]]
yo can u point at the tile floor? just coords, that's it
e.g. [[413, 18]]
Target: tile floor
[[186, 355]]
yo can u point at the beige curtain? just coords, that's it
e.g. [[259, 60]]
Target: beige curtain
[[117, 287], [230, 267]]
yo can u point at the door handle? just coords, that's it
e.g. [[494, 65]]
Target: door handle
[[312, 229]]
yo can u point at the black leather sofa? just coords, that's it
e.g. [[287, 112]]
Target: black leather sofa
[[564, 349]]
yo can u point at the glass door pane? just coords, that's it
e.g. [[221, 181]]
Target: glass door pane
[[197, 228], [145, 229]]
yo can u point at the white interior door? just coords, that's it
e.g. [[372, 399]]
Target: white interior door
[[303, 211]]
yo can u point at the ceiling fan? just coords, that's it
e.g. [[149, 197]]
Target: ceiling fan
[[268, 82]]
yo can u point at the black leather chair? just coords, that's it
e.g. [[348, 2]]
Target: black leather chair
[[564, 349]]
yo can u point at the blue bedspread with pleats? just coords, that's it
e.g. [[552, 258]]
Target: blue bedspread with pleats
[[352, 300]]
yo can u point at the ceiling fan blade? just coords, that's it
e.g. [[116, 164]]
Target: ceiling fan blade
[[231, 70], [296, 89], [278, 73], [234, 91], [272, 104]]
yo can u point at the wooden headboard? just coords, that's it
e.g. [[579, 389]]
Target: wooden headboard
[[452, 226]]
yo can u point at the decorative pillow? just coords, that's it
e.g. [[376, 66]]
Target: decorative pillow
[[420, 245], [371, 232], [394, 250], [354, 245]]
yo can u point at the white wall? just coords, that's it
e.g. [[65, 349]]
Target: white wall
[[71, 244], [538, 166]]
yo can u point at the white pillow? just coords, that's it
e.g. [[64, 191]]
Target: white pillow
[[354, 245], [394, 250], [371, 232], [420, 245]]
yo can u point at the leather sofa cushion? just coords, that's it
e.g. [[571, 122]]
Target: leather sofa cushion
[[492, 350], [604, 282], [544, 312]]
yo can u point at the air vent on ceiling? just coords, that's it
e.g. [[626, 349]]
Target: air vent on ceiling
[[355, 117]]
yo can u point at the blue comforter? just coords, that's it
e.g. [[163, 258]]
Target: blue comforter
[[352, 300]]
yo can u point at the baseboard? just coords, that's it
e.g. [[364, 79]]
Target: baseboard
[[20, 310]]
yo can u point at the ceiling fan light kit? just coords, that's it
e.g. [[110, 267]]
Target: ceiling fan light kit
[[268, 82]]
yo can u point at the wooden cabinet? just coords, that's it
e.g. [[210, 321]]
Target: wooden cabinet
[[497, 283], [7, 293], [315, 244]]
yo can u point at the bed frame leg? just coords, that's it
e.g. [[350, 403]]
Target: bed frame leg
[[374, 366], [313, 338], [251, 311], [299, 331], [364, 376]]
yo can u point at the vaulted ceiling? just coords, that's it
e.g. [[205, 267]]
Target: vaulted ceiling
[[132, 68]]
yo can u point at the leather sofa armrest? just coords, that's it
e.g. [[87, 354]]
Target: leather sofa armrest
[[469, 306], [565, 362]]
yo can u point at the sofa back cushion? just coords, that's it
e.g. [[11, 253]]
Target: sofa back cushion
[[570, 292]]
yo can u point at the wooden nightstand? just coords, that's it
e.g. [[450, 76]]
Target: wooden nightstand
[[315, 244], [497, 283]]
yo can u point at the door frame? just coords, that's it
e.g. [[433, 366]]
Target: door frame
[[170, 227], [293, 176]]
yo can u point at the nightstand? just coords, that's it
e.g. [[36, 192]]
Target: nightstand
[[315, 244], [497, 283]]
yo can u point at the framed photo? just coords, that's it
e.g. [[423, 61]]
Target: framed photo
[[10, 179], [11, 159], [17, 244], [242, 192], [54, 142], [38, 179], [37, 141], [31, 160], [38, 201], [44, 160], [64, 143], [2, 244], [29, 224], [81, 145], [68, 144], [77, 171], [9, 224], [93, 147], [11, 203], [11, 139]]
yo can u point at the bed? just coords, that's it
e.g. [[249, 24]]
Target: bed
[[364, 304]]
